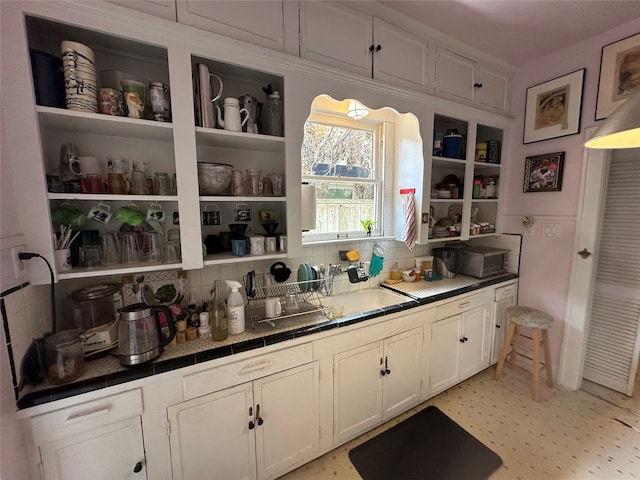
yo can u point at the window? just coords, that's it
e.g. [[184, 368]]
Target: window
[[343, 159]]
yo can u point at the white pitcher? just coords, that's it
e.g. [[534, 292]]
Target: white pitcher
[[232, 113], [79, 66]]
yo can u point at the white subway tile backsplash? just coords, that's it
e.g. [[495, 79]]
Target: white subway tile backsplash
[[19, 328], [15, 302]]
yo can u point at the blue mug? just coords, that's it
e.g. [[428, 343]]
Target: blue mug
[[239, 247]]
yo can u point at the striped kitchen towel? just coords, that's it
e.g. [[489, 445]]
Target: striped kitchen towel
[[409, 216]]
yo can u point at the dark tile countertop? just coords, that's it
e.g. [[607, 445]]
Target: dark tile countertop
[[106, 371]]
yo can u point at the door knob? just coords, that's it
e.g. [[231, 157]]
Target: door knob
[[137, 468], [584, 253]]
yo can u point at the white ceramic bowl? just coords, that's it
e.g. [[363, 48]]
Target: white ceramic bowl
[[407, 277], [214, 178]]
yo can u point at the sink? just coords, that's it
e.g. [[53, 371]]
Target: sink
[[363, 300]]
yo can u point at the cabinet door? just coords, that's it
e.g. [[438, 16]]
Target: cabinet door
[[500, 326], [455, 76], [336, 36], [211, 437], [257, 22], [445, 354], [358, 391], [475, 349], [84, 455], [159, 8], [289, 433], [402, 58], [402, 354], [494, 93]]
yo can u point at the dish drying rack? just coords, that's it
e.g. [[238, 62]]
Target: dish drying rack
[[296, 299]]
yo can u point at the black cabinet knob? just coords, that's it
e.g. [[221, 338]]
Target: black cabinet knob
[[137, 468], [372, 48], [477, 85], [251, 425], [383, 373], [378, 48]]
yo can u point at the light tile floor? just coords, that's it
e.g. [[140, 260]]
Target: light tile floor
[[567, 435]]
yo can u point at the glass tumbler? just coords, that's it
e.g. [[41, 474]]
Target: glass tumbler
[[130, 248], [254, 182], [151, 247], [110, 249], [90, 256]]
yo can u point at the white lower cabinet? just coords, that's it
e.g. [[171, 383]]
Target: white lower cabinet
[[460, 345], [258, 429], [375, 382], [505, 297], [106, 453]]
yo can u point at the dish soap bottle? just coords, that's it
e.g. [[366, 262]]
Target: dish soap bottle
[[395, 273], [218, 316], [235, 308]]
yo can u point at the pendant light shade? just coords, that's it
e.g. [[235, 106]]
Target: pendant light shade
[[356, 110], [621, 129]]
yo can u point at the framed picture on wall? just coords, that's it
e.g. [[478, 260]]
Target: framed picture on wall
[[619, 74], [543, 173], [553, 108]]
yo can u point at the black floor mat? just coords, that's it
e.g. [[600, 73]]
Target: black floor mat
[[428, 445]]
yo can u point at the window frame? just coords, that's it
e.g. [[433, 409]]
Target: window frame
[[380, 178]]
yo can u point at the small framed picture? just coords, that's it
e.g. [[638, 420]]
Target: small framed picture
[[543, 173], [619, 74], [553, 108]]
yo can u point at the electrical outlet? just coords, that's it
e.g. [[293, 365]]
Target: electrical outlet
[[19, 266]]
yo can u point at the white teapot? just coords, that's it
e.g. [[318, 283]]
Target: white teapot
[[232, 113]]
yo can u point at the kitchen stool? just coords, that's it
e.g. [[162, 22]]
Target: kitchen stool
[[538, 321]]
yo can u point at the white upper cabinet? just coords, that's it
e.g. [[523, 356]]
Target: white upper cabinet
[[463, 80], [360, 43], [272, 24], [159, 8], [336, 36]]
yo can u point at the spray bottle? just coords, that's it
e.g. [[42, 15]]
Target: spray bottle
[[235, 308]]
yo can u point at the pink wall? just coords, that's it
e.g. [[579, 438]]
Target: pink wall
[[546, 261]]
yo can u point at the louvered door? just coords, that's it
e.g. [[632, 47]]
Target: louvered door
[[613, 342]]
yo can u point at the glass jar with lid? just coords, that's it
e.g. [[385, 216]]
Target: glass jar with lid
[[64, 358]]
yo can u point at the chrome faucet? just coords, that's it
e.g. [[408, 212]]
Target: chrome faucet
[[328, 275]]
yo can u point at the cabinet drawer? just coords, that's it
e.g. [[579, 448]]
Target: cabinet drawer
[[85, 416], [209, 381], [461, 305], [506, 291]]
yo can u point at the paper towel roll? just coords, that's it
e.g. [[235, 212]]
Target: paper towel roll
[[308, 207]]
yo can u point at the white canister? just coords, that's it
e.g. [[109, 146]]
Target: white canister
[[256, 245]]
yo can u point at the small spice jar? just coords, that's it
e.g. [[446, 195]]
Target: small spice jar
[[64, 358]]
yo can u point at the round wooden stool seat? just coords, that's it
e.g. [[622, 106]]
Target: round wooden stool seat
[[529, 317], [538, 321]]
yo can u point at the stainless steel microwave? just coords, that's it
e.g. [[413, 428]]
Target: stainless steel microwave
[[481, 262]]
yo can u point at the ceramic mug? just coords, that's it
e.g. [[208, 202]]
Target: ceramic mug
[[117, 184], [155, 212], [211, 217], [257, 245], [81, 88], [101, 213], [131, 215], [83, 166], [238, 247], [272, 307]]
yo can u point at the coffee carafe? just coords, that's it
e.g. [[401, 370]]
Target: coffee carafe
[[232, 113], [250, 104], [140, 333], [448, 261]]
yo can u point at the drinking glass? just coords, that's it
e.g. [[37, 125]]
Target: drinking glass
[[254, 182], [171, 252], [138, 183], [237, 182], [162, 183], [151, 247], [277, 184], [110, 248], [90, 256], [130, 248]]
